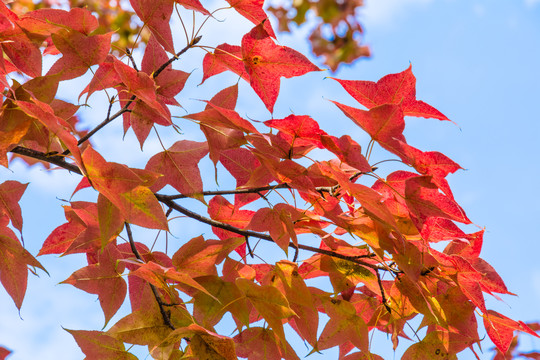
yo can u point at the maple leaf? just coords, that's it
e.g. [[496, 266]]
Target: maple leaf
[[156, 14], [253, 11], [278, 222], [179, 167], [126, 190], [78, 19], [384, 123], [258, 343], [227, 297], [269, 302], [79, 52], [4, 352], [397, 89], [222, 210], [225, 57], [103, 279], [99, 345], [266, 63], [430, 347], [10, 194]]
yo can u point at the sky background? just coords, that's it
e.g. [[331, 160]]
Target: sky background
[[476, 61]]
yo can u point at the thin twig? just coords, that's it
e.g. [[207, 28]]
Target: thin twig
[[176, 56], [130, 56], [384, 301], [164, 314]]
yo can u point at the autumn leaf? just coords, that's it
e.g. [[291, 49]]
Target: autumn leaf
[[79, 52], [99, 345], [10, 194], [430, 347], [156, 15], [266, 63], [253, 11], [225, 57], [103, 279], [269, 302], [257, 343], [126, 190], [13, 265], [397, 89]]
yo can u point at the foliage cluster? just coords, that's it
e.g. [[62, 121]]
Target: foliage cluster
[[370, 236]]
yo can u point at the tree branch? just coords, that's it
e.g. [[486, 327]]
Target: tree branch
[[250, 233], [58, 160], [164, 314], [168, 201]]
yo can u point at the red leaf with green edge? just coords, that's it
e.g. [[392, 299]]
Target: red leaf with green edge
[[431, 347], [111, 221], [266, 63], [10, 193], [14, 261], [199, 257], [170, 81], [344, 325], [347, 150], [398, 89], [300, 300], [79, 52], [179, 167], [99, 345], [103, 279], [78, 19], [384, 123], [500, 329], [204, 344], [56, 125], [269, 302], [209, 310], [225, 57], [253, 11], [278, 223], [126, 190], [302, 127], [4, 353], [156, 15], [193, 5], [257, 343], [424, 200]]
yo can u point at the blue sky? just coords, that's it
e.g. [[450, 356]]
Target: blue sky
[[476, 61]]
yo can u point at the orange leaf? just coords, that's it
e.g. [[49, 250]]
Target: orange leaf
[[99, 345]]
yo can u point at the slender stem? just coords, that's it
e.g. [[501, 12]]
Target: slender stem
[[384, 301], [176, 56], [164, 314]]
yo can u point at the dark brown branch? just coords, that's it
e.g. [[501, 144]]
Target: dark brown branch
[[58, 160], [229, 192], [171, 204], [161, 304], [384, 301], [130, 56], [168, 201]]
